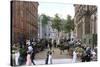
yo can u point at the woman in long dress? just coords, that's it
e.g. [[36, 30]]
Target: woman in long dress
[[49, 58], [29, 53], [17, 54], [28, 62], [74, 57]]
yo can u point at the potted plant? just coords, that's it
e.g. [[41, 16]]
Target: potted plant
[[79, 50]]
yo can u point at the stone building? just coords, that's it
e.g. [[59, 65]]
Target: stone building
[[85, 20], [24, 15], [46, 31]]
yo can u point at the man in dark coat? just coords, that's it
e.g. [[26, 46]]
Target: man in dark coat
[[88, 54]]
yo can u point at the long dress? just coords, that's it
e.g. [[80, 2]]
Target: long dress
[[17, 57], [28, 62], [74, 57], [50, 59]]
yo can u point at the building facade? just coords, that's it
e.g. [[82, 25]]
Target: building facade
[[51, 32], [85, 20], [46, 31], [24, 15]]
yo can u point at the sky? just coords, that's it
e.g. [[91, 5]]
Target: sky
[[51, 8], [62, 7]]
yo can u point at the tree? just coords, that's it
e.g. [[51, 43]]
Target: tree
[[56, 23], [45, 19], [69, 25]]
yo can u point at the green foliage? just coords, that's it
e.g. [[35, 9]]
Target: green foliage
[[79, 50], [22, 51], [61, 47], [45, 19], [95, 39], [69, 24], [56, 23], [72, 24]]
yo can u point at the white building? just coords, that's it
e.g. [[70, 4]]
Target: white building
[[46, 31], [51, 33]]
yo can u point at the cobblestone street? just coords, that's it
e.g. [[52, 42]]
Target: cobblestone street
[[57, 57], [56, 54]]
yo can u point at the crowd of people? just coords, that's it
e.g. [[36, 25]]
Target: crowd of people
[[85, 53], [25, 54]]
